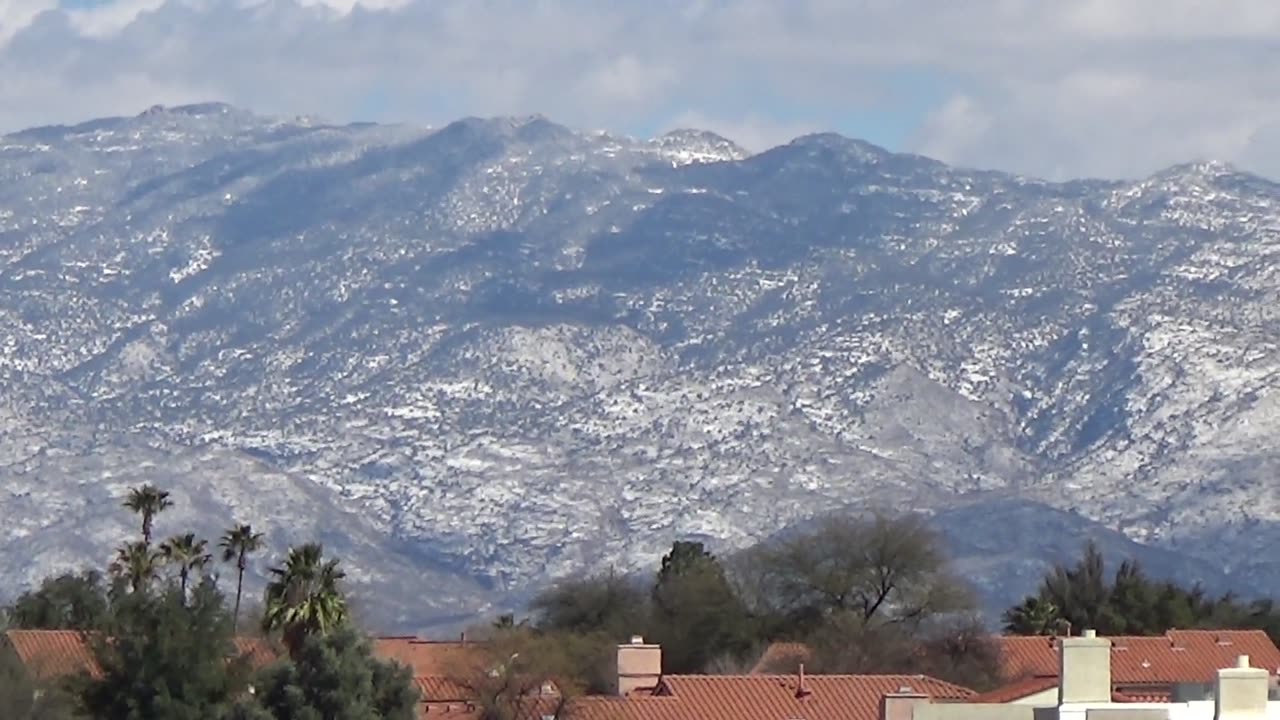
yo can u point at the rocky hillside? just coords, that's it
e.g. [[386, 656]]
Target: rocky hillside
[[475, 357]]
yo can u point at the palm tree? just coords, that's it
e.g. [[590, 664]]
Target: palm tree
[[236, 545], [303, 596], [1034, 616], [148, 501], [188, 554], [136, 563]]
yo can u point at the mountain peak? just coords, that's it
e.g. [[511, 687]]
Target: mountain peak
[[194, 110], [1207, 169], [525, 128], [849, 147], [686, 145], [1215, 174]]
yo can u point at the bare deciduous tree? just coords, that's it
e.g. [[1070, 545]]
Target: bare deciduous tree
[[879, 568], [521, 672]]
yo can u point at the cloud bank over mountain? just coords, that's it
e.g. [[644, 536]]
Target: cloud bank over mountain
[[1086, 87]]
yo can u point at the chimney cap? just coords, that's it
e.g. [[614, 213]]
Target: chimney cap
[[1242, 661], [1090, 633], [637, 639]]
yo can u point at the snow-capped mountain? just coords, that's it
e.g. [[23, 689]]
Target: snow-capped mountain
[[476, 357]]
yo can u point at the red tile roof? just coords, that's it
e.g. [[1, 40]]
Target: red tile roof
[[1016, 690], [780, 697], [1148, 695], [430, 657], [58, 653], [1177, 656], [734, 697], [449, 711], [601, 707], [440, 689], [54, 653]]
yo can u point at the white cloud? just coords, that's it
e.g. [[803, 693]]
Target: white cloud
[[1092, 87], [18, 14], [99, 20], [627, 80], [954, 127]]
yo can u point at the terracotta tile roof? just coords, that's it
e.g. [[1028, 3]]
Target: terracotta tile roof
[[1016, 690], [781, 657], [1148, 695], [58, 653], [430, 657], [531, 708], [1177, 656], [736, 697], [633, 708], [54, 653], [762, 697], [449, 711], [779, 697], [438, 688]]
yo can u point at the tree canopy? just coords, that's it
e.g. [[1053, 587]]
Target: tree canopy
[[879, 567], [870, 580], [332, 677], [521, 671], [303, 597], [696, 615], [71, 601], [1079, 595], [166, 658], [147, 501]]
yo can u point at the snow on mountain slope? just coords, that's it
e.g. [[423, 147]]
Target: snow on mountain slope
[[509, 349]]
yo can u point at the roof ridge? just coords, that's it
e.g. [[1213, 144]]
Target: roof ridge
[[766, 675]]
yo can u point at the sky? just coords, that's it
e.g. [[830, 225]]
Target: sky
[[1051, 88]]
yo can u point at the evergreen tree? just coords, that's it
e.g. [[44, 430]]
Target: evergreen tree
[[697, 617], [1131, 607], [1080, 592], [332, 677], [70, 601], [1131, 603], [166, 658]]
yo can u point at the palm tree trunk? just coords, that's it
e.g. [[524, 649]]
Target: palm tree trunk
[[182, 580], [235, 615]]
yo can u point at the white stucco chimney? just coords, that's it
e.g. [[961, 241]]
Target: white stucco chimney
[[639, 665], [901, 705], [1241, 692], [1084, 668]]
